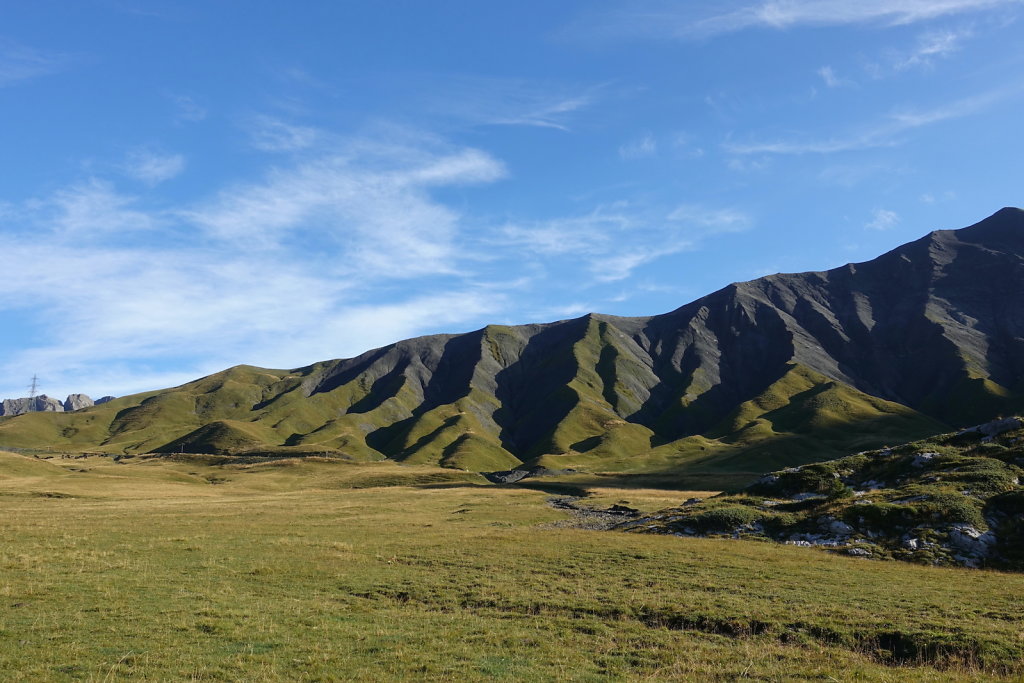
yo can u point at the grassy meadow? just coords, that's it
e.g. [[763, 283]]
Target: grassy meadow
[[193, 569]]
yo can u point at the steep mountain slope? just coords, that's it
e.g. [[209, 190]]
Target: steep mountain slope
[[777, 371]]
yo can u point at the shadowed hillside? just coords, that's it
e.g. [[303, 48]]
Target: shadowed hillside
[[778, 371]]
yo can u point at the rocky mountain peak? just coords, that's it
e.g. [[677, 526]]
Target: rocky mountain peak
[[1004, 228], [46, 404], [77, 402]]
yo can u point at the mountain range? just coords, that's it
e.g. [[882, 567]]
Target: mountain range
[[779, 371]]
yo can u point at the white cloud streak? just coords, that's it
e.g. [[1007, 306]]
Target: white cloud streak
[[711, 221], [886, 133], [510, 102], [19, 63], [640, 148], [828, 75], [381, 215], [614, 241], [187, 109], [93, 210], [692, 21], [326, 255], [883, 219], [930, 46], [295, 268], [269, 134], [153, 168]]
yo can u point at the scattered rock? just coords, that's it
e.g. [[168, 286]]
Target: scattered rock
[[840, 528], [506, 476], [922, 459], [512, 476], [995, 427], [589, 518], [971, 540], [919, 503]]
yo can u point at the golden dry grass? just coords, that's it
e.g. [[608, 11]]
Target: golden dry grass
[[179, 570]]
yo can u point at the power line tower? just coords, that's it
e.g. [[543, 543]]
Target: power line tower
[[33, 388]]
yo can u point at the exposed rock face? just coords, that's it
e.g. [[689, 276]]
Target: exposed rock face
[[961, 505], [39, 404], [77, 402], [105, 399], [45, 404]]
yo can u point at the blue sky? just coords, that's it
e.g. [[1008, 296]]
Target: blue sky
[[188, 186]]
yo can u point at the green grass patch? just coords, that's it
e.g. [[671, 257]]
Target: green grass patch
[[289, 570]]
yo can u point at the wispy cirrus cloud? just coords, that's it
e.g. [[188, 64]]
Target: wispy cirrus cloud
[[644, 146], [372, 204], [278, 272], [187, 109], [152, 167], [931, 46], [90, 211], [509, 101], [613, 241], [270, 134], [19, 63], [691, 21], [885, 133], [334, 249], [882, 219], [830, 78]]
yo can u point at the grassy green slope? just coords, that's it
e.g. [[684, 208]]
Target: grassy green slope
[[19, 467], [573, 416], [800, 418]]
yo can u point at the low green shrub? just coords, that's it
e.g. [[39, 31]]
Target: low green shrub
[[725, 519], [951, 508], [816, 478], [881, 516]]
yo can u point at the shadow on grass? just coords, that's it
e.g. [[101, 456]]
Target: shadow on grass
[[584, 485], [553, 487], [668, 481]]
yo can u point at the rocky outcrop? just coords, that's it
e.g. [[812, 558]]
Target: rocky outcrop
[[45, 404], [77, 402], [39, 404], [956, 499]]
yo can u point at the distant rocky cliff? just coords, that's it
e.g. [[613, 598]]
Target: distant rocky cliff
[[45, 404]]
